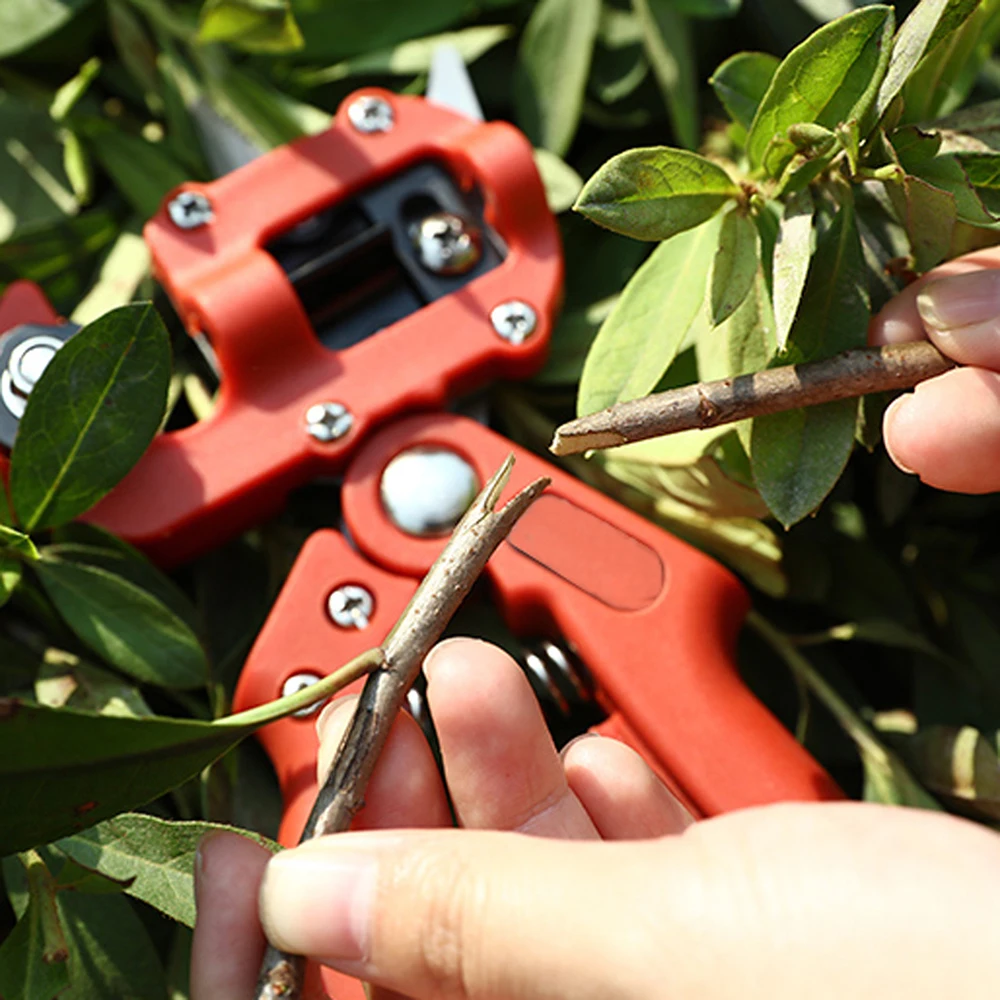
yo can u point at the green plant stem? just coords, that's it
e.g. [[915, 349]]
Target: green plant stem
[[801, 668]]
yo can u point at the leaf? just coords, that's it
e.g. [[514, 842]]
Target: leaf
[[640, 338], [70, 93], [252, 25], [670, 48], [553, 62], [947, 173], [619, 64], [90, 417], [125, 625], [24, 22], [12, 540], [34, 189], [734, 265], [832, 77], [888, 780], [142, 171], [64, 680], [930, 218], [798, 456], [62, 770], [127, 265], [655, 193], [29, 966], [135, 50], [411, 57], [155, 857], [707, 8], [914, 38], [792, 253], [10, 577], [562, 182], [975, 129], [961, 763], [741, 82]]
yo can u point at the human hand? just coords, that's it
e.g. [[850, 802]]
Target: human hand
[[778, 902], [948, 430]]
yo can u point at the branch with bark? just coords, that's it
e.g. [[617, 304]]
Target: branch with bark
[[442, 590], [708, 404]]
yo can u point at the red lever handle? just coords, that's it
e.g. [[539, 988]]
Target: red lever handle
[[654, 620]]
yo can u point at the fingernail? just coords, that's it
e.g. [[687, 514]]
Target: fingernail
[[960, 300], [431, 659], [335, 711], [892, 416], [320, 902]]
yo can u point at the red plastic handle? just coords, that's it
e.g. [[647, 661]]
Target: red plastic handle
[[200, 485], [654, 620]]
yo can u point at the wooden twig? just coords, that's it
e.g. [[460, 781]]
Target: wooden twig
[[437, 598], [708, 404]]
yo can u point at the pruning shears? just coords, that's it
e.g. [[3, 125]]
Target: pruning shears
[[350, 286]]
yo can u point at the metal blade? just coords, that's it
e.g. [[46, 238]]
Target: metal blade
[[449, 83]]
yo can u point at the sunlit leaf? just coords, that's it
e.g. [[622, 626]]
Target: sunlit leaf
[[24, 22], [554, 59], [792, 254], [153, 856], [833, 76], [655, 193], [253, 25], [741, 82], [90, 416], [916, 35], [562, 182], [640, 338]]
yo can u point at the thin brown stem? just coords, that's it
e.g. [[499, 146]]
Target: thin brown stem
[[420, 625], [708, 404]]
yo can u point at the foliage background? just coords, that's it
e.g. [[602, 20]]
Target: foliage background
[[883, 642]]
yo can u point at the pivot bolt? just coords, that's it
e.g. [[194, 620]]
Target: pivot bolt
[[425, 491], [328, 421], [447, 244], [297, 683], [515, 321], [24, 368], [371, 115], [351, 606], [190, 210]]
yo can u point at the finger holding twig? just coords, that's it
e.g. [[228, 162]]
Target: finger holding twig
[[708, 404], [442, 590]]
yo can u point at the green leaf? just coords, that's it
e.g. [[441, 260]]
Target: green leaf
[[655, 193], [127, 265], [961, 763], [33, 958], [916, 35], [889, 781], [946, 172], [670, 48], [972, 130], [619, 63], [64, 680], [142, 171], [553, 63], [90, 417], [153, 856], [832, 77], [136, 51], [930, 216], [34, 189], [411, 57], [128, 627], [734, 265], [562, 182], [798, 456], [792, 253], [69, 94], [741, 82], [24, 22], [650, 321], [251, 25], [10, 577], [17, 542], [707, 8], [62, 770]]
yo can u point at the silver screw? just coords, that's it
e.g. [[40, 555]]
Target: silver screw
[[515, 321], [296, 683], [371, 114], [24, 368], [425, 491], [328, 421], [351, 606], [189, 210], [447, 244]]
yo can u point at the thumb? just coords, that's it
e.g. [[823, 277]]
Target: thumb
[[470, 914]]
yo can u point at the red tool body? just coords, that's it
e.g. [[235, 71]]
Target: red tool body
[[653, 620]]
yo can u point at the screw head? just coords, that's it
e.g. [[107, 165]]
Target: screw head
[[190, 210], [447, 244], [297, 682], [370, 115], [328, 421], [24, 368], [425, 491], [351, 606], [515, 321]]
